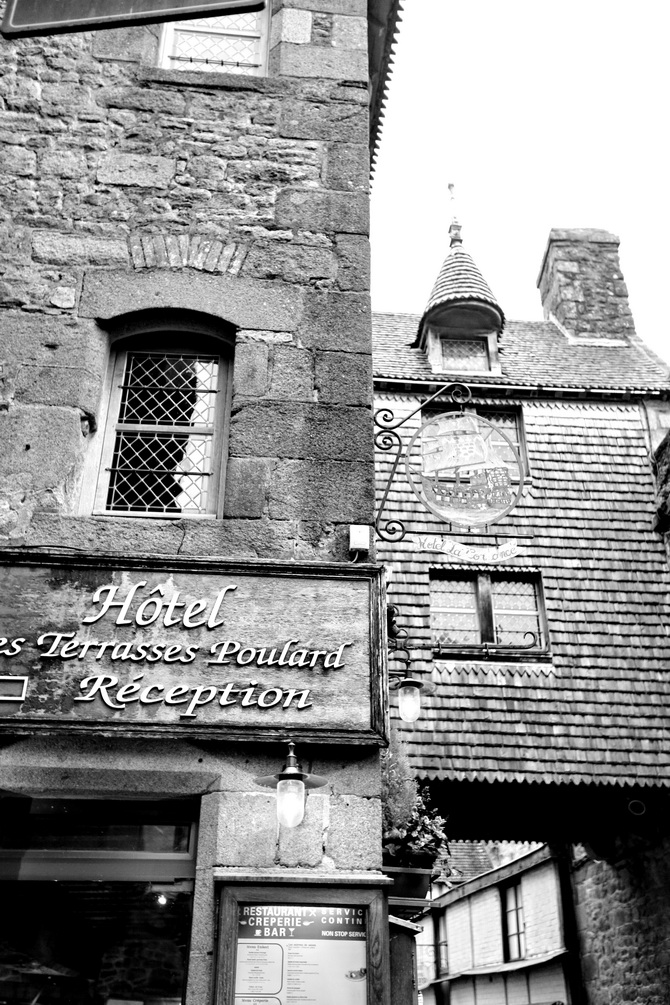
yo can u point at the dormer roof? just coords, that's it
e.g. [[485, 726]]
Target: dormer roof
[[461, 298]]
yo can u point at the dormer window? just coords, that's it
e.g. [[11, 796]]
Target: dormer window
[[465, 355], [461, 351], [461, 324]]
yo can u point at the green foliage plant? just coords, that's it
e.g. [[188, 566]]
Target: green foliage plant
[[413, 832]]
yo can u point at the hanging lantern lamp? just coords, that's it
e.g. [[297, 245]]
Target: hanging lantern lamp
[[291, 783]]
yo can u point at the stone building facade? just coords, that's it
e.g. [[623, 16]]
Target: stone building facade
[[542, 637], [186, 413]]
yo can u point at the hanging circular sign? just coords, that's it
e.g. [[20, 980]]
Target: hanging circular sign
[[464, 469]]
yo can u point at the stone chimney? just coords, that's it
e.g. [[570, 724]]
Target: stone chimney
[[582, 286]]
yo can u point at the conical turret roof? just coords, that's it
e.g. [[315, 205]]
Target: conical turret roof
[[461, 283]]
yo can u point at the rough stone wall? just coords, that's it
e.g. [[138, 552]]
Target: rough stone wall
[[124, 187], [582, 286], [623, 917]]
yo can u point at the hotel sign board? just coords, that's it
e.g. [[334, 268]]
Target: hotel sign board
[[250, 651], [48, 17]]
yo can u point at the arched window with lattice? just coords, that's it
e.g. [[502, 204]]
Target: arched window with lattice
[[163, 450]]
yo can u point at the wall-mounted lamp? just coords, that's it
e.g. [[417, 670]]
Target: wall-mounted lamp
[[290, 784], [408, 687], [409, 691]]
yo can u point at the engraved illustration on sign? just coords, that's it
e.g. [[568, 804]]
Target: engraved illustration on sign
[[464, 469]]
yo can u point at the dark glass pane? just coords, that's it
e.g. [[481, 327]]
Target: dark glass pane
[[87, 825], [95, 943]]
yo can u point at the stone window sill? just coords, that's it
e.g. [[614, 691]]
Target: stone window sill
[[211, 80]]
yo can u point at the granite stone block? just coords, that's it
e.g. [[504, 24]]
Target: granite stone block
[[294, 430], [250, 373], [247, 303], [344, 378], [247, 484], [354, 833], [327, 212], [353, 262], [337, 322], [330, 491], [318, 61], [137, 169], [78, 249]]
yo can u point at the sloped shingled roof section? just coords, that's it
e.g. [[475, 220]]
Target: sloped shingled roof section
[[531, 353], [459, 279], [598, 708]]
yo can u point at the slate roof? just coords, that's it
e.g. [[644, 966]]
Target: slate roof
[[459, 279], [467, 859], [531, 353], [598, 708]]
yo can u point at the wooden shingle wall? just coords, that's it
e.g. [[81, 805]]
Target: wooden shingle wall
[[597, 709]]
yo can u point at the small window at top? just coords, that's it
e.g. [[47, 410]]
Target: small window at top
[[464, 355], [231, 43]]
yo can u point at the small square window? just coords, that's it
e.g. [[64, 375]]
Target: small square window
[[480, 610], [465, 355], [231, 43]]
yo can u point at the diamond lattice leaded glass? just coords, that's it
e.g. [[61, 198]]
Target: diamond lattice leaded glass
[[463, 355], [453, 612], [458, 470], [233, 43], [162, 456], [515, 612]]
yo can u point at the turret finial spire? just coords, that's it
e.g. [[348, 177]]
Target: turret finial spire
[[454, 227]]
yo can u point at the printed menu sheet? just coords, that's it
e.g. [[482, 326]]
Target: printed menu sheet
[[289, 954]]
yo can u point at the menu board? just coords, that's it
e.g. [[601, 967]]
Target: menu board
[[308, 954]]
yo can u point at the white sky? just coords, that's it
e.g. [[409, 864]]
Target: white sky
[[543, 114]]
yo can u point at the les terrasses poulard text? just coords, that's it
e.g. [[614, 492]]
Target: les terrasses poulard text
[[135, 608]]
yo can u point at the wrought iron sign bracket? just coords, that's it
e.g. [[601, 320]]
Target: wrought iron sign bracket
[[388, 439], [459, 465]]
